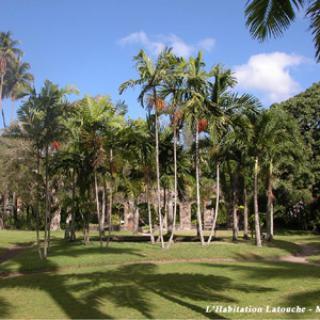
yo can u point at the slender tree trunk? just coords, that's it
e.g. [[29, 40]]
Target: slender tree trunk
[[104, 206], [38, 210], [216, 211], [165, 216], [175, 199], [136, 218], [235, 225], [38, 232], [149, 211], [98, 207], [2, 211], [270, 204], [15, 210], [86, 233], [12, 109], [1, 106], [245, 214], [73, 214], [49, 222], [256, 208], [158, 179], [198, 187], [45, 248], [110, 198]]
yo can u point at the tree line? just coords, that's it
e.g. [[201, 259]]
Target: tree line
[[200, 140]]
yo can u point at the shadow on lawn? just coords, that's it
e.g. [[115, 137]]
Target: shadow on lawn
[[4, 308], [309, 299], [135, 287], [268, 270], [28, 259], [83, 295]]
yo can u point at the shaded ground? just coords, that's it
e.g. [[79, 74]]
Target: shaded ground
[[129, 280]]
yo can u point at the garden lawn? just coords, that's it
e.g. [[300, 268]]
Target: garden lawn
[[139, 280]]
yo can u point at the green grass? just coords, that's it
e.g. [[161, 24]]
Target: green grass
[[139, 280]]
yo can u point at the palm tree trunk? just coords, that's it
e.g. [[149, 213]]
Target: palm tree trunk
[[198, 187], [216, 210], [149, 210], [245, 214], [45, 248], [256, 208], [270, 204], [73, 214], [235, 227], [158, 179], [98, 207], [175, 186], [38, 210], [104, 207], [110, 198], [1, 107]]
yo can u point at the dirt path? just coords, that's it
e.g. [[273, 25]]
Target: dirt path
[[302, 256]]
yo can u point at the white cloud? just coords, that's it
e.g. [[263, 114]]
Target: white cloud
[[156, 44], [207, 44], [269, 73]]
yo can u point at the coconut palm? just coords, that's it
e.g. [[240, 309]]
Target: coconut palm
[[267, 18], [9, 52], [151, 76], [18, 83]]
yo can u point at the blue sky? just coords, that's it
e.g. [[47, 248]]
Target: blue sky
[[90, 43]]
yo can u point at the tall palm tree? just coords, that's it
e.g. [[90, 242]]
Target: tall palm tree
[[150, 79], [267, 18], [9, 52], [223, 81], [98, 118], [136, 140], [276, 123], [41, 119], [195, 103], [18, 83], [173, 88]]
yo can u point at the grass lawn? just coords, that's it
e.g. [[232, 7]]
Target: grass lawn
[[140, 280]]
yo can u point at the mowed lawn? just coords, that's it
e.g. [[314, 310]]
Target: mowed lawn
[[140, 280]]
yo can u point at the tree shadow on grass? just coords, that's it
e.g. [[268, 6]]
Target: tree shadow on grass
[[288, 246], [266, 269], [28, 259], [309, 299], [134, 287], [4, 308]]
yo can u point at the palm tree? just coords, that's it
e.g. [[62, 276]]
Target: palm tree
[[173, 88], [267, 18], [223, 81], [18, 82], [136, 140], [276, 123], [151, 76], [41, 119], [8, 54], [98, 118], [195, 103]]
